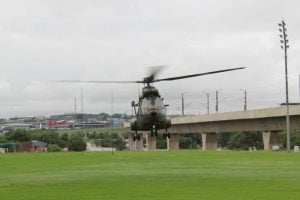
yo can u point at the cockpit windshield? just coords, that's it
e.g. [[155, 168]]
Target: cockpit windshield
[[152, 105]]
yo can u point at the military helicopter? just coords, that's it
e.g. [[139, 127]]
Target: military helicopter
[[150, 111]]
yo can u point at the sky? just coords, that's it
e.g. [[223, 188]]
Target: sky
[[119, 39]]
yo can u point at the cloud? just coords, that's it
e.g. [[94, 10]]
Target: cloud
[[117, 40]]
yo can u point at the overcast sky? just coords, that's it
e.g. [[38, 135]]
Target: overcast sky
[[119, 39]]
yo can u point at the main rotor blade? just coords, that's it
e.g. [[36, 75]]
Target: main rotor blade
[[78, 81], [194, 75], [154, 71]]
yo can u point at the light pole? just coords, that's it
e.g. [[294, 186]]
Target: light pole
[[284, 46]]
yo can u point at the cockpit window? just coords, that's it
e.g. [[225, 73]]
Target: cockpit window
[[152, 104]]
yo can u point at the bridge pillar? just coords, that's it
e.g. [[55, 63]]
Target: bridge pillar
[[150, 142], [139, 144], [136, 145], [271, 138], [209, 141], [173, 142], [131, 143]]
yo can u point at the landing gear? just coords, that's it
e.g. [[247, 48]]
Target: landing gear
[[169, 135], [166, 134], [136, 136], [154, 131]]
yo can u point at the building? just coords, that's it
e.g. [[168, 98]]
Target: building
[[75, 117], [33, 146], [76, 120]]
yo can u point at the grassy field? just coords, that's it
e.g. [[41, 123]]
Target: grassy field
[[184, 175]]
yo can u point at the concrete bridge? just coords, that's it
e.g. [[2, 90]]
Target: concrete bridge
[[268, 121]]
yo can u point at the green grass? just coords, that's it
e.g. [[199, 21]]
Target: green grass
[[184, 175]]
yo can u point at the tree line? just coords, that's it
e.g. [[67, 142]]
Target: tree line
[[76, 141], [55, 141]]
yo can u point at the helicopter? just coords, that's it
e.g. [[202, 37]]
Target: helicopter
[[150, 110]]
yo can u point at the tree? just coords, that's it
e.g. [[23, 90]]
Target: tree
[[103, 116], [245, 140], [161, 142], [223, 139], [295, 138], [189, 141], [2, 139], [64, 140], [110, 140], [53, 148], [19, 135], [76, 143]]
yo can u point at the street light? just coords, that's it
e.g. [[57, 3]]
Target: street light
[[284, 46]]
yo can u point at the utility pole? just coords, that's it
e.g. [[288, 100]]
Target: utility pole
[[182, 104], [245, 99], [207, 96], [217, 101], [75, 105], [81, 95], [207, 101], [284, 41], [112, 108]]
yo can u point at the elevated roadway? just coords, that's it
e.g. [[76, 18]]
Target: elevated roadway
[[252, 120], [268, 121]]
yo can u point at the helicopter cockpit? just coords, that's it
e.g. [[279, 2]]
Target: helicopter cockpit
[[152, 106]]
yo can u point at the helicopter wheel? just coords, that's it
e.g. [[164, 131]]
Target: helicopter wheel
[[155, 132], [152, 133], [168, 135], [138, 137], [135, 132]]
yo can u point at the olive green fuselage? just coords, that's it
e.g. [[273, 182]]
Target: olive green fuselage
[[148, 122], [151, 113]]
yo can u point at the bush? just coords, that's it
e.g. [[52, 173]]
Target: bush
[[53, 148], [243, 141], [187, 142], [76, 143], [161, 142]]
